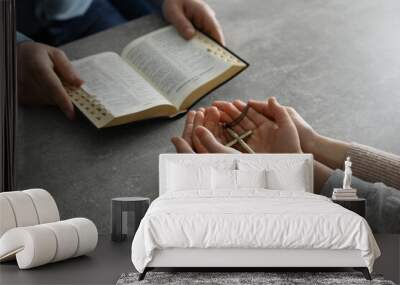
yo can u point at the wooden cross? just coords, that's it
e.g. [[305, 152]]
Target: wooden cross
[[239, 139], [236, 137]]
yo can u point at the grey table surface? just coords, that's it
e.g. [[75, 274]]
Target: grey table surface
[[110, 259], [337, 62]]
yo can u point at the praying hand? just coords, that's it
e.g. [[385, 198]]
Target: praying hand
[[272, 128]]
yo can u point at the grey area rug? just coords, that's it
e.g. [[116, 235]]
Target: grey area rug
[[232, 278]]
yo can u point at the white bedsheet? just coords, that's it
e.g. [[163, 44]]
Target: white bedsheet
[[250, 219]]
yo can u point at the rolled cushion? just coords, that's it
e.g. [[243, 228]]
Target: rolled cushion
[[26, 208], [46, 207], [33, 246], [87, 233], [67, 240], [40, 244], [7, 218], [23, 208]]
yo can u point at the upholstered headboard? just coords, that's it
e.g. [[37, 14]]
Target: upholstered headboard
[[233, 161]]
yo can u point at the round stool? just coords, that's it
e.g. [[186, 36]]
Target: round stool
[[126, 214]]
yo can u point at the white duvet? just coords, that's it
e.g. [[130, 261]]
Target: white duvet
[[250, 219]]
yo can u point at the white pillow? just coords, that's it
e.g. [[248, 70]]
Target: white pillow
[[188, 177], [282, 174], [223, 179], [293, 179], [251, 178]]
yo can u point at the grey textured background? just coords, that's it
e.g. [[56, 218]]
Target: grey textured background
[[337, 62]]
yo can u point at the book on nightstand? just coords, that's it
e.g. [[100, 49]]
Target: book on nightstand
[[344, 194], [157, 75]]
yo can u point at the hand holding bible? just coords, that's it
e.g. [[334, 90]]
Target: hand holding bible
[[41, 70], [186, 15]]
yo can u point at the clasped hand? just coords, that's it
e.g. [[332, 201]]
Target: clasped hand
[[273, 125]]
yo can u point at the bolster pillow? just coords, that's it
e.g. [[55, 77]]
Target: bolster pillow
[[26, 208], [40, 244]]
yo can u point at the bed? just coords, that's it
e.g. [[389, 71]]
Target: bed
[[247, 211]]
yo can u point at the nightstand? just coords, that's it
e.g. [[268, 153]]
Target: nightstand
[[356, 205], [126, 214]]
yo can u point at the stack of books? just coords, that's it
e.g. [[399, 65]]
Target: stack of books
[[344, 194]]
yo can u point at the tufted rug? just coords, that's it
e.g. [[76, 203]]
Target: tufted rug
[[233, 278]]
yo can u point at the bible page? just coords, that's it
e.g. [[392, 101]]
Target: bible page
[[116, 85], [174, 65]]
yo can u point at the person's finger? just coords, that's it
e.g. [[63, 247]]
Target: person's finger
[[255, 117], [210, 143], [224, 118], [188, 129], [206, 20], [217, 103], [279, 112], [261, 107], [220, 134], [226, 136], [233, 113], [213, 28], [211, 119], [64, 68], [198, 121], [251, 119], [181, 145], [51, 84], [177, 17]]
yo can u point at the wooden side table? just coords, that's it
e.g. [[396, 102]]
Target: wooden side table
[[357, 205], [126, 214]]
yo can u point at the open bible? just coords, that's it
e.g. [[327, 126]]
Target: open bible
[[157, 75]]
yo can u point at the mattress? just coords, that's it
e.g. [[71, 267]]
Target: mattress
[[251, 219]]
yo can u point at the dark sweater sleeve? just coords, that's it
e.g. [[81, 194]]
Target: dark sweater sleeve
[[382, 202]]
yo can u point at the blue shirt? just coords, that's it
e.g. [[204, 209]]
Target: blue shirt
[[48, 10], [61, 9], [43, 19]]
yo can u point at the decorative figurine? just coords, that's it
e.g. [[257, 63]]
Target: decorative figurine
[[347, 174], [346, 192]]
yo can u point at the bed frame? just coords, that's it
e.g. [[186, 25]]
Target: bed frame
[[249, 259], [246, 259]]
